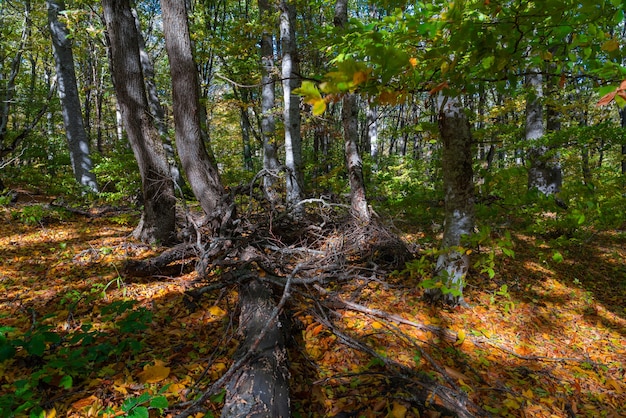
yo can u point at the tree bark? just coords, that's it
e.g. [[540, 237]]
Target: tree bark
[[453, 262], [291, 109], [154, 103], [270, 150], [544, 173], [349, 119], [202, 174], [260, 387], [75, 132], [158, 220]]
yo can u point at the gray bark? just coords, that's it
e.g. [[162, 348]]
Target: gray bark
[[453, 263], [260, 387], [270, 149], [622, 114], [349, 119], [372, 132], [291, 110], [158, 220], [75, 132], [202, 174], [544, 173], [154, 103]]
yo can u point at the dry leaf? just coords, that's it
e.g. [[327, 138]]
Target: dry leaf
[[154, 374]]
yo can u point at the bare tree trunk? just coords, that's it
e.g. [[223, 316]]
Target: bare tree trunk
[[372, 133], [158, 220], [453, 263], [260, 387], [622, 114], [349, 119], [154, 103], [291, 111], [202, 174], [544, 173], [270, 149], [75, 132]]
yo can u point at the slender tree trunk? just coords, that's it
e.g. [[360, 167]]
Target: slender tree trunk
[[544, 173], [456, 160], [349, 118], [270, 149], [246, 128], [372, 133], [291, 110], [158, 220], [622, 113], [202, 174], [70, 101]]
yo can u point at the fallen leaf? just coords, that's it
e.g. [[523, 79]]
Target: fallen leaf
[[154, 374]]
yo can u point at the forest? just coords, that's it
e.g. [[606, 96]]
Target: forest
[[316, 208]]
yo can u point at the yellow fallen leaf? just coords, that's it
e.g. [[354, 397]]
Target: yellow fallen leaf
[[217, 311], [377, 325], [51, 413], [460, 337], [398, 411], [153, 374]]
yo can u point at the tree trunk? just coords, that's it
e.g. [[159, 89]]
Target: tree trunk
[[202, 174], [544, 173], [70, 101], [291, 111], [260, 387], [622, 114], [453, 263], [372, 133], [349, 119], [270, 150], [358, 199], [154, 104], [158, 220]]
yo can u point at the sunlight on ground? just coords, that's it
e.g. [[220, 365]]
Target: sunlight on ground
[[547, 344]]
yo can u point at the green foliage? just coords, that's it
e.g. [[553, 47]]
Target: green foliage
[[38, 213], [139, 407], [118, 176], [60, 358]]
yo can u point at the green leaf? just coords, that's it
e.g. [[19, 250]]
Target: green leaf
[[139, 412], [557, 256], [159, 402], [7, 350], [36, 346], [66, 382]]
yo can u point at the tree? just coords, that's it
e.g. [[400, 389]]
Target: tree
[[544, 173], [201, 173], [75, 132], [156, 108], [349, 120], [270, 149], [453, 261], [158, 218], [291, 103]]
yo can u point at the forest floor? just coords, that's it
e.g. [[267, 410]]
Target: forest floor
[[544, 337]]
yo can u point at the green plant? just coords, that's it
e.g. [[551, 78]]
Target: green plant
[[503, 296], [63, 358], [30, 215], [139, 407]]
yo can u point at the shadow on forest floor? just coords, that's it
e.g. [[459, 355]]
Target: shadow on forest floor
[[542, 338]]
